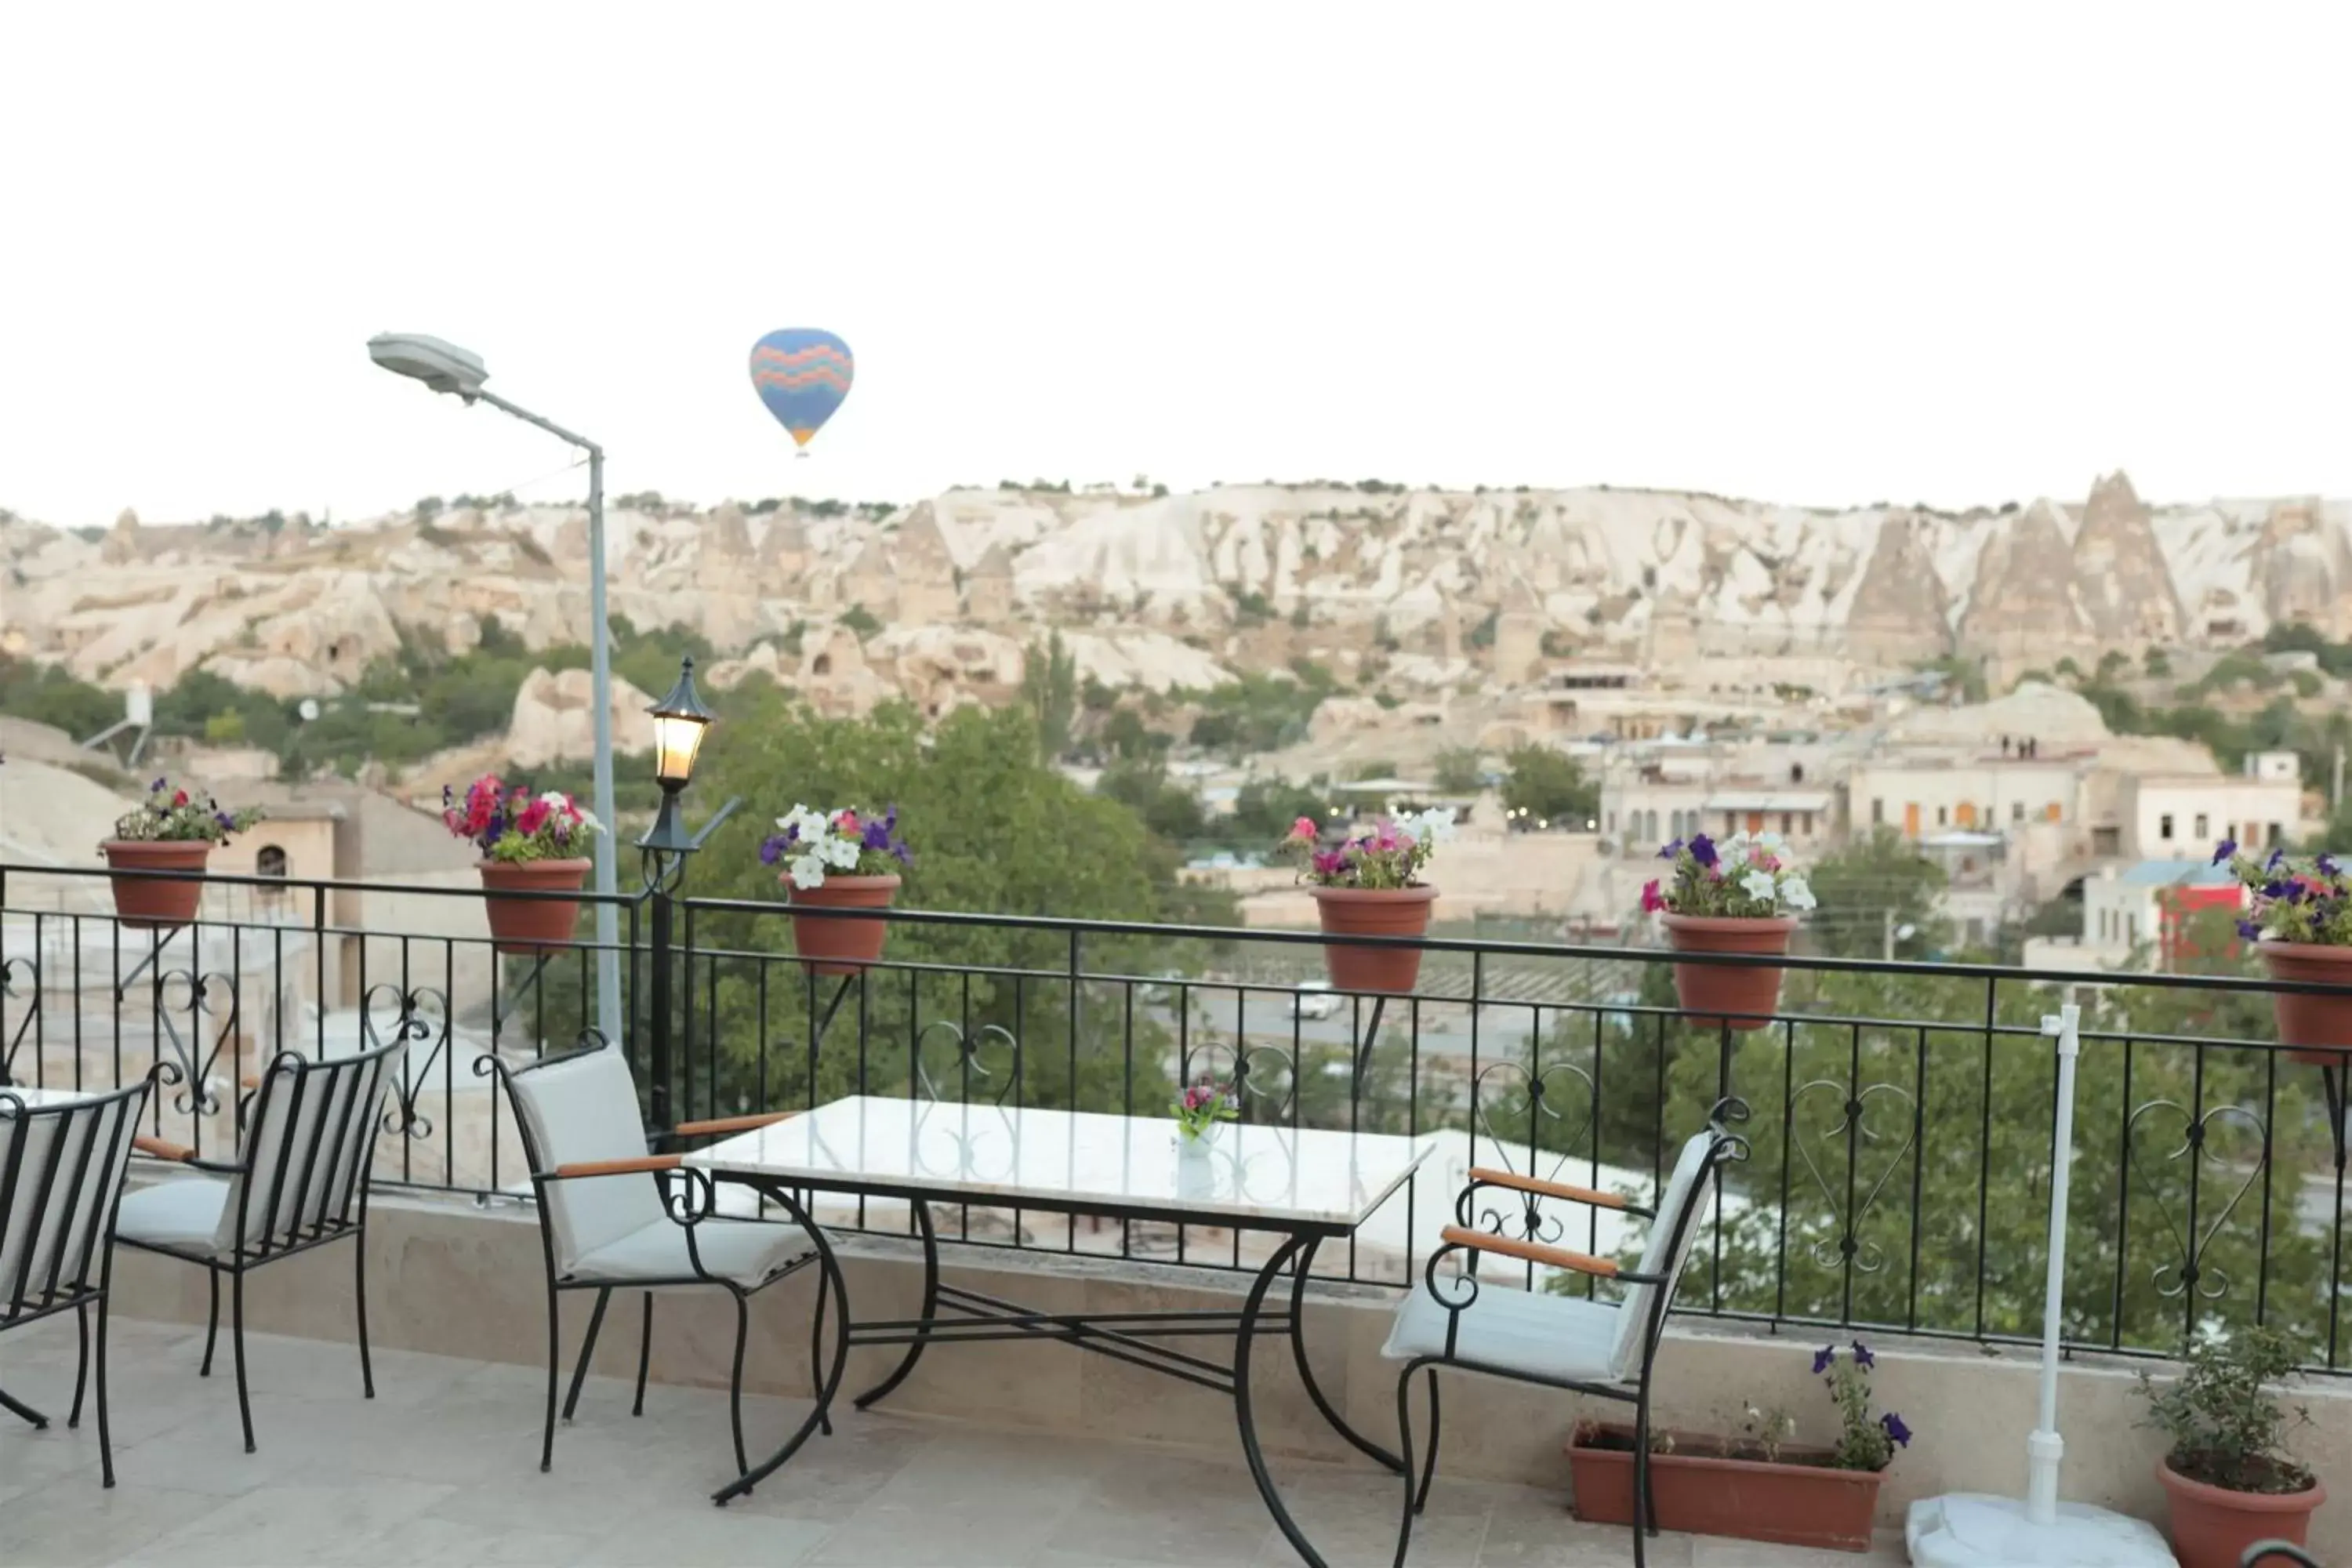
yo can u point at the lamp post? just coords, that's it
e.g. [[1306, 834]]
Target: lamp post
[[444, 367], [679, 720]]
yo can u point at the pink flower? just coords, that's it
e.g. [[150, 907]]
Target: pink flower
[[1652, 900], [533, 818], [1303, 829], [846, 821], [1330, 862]]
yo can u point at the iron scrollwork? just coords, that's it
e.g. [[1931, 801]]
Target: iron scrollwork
[[185, 991], [15, 971], [1537, 1101], [419, 1015], [2191, 1272], [1847, 1245]]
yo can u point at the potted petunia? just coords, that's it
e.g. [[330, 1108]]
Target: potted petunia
[[844, 859], [1738, 895], [171, 829], [2227, 1476], [1761, 1485], [535, 844], [1200, 1109], [1370, 885], [2299, 914]]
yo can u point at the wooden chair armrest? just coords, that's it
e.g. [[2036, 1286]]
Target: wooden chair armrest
[[643, 1163], [162, 1149], [1587, 1195], [1529, 1251], [732, 1123]]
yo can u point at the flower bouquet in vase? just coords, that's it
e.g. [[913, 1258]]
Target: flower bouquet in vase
[[1738, 895], [170, 830], [844, 859], [2299, 913], [1370, 885], [1200, 1109], [530, 844]]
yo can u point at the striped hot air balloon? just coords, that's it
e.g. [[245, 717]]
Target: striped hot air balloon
[[802, 376]]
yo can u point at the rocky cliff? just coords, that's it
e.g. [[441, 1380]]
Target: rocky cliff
[[1174, 590]]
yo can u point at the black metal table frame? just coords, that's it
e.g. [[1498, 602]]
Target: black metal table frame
[[1124, 1336]]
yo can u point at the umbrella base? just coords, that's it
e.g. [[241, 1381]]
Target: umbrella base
[[1971, 1531]]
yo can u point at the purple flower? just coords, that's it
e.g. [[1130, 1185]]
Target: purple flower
[[2273, 863], [158, 786], [227, 823], [1825, 1358], [2326, 864], [1670, 851], [1702, 849], [773, 849], [2223, 850], [1862, 1356], [1895, 1430], [2277, 889], [2250, 931]]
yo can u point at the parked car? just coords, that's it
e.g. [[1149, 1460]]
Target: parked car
[[1316, 999]]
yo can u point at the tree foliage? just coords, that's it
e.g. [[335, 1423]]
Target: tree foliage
[[1549, 785]]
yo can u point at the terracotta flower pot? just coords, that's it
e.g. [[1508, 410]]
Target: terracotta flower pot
[[529, 926], [146, 902], [1373, 912], [1742, 996], [1798, 1501], [2309, 1020], [829, 944], [2213, 1526]]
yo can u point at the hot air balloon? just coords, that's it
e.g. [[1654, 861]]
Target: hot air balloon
[[802, 376]]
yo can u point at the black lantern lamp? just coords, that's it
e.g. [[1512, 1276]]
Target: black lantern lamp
[[679, 720]]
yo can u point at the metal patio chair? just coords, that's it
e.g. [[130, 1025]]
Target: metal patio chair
[[61, 1170], [1605, 1349], [2277, 1554], [613, 1217], [299, 1181]]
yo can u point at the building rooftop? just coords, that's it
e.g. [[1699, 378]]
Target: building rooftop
[[2175, 874]]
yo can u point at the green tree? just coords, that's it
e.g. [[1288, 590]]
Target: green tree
[[1549, 785], [2157, 663], [1860, 885], [1168, 809], [1461, 770], [1049, 690], [1265, 808], [861, 621]]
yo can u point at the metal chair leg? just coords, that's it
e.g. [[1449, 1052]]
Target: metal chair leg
[[554, 1373], [212, 1320], [81, 1366], [645, 1355], [236, 1338], [1643, 1527], [735, 1378], [587, 1349], [816, 1353], [359, 1289], [1429, 1464], [105, 1437], [1404, 1451]]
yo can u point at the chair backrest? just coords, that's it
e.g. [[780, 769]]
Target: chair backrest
[[60, 1174], [1672, 1232], [309, 1141], [575, 1107]]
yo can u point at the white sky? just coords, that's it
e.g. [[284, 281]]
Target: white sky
[[1952, 254]]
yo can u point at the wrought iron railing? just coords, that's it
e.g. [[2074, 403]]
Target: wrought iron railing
[[1901, 1112]]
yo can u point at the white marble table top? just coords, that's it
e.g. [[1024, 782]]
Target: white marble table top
[[1273, 1176], [35, 1099]]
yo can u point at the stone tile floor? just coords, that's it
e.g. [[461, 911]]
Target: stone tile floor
[[442, 1470]]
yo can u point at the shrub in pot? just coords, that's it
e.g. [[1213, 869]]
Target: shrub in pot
[[534, 845], [844, 859], [1370, 884], [1740, 896], [171, 829], [2227, 1476], [2299, 913], [1759, 1485]]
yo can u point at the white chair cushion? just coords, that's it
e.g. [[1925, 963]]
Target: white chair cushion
[[1683, 1190], [747, 1252], [581, 1110], [1563, 1337], [180, 1215]]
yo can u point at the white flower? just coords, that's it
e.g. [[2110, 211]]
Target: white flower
[[1757, 885], [838, 851], [807, 871], [1434, 825], [1797, 895], [1771, 841]]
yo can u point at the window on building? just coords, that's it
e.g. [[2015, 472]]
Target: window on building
[[1786, 819], [2131, 930], [2106, 924], [2017, 811], [2164, 828], [1877, 810], [1613, 825], [2278, 835], [2202, 833], [1943, 817], [1809, 825], [269, 862]]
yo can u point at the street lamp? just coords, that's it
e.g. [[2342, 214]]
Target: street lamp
[[446, 367], [679, 720]]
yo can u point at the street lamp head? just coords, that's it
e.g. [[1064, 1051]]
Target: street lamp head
[[679, 720], [444, 367]]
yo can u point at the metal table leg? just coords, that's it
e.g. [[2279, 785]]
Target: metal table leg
[[931, 1309], [1307, 1373], [1242, 1413], [821, 1413]]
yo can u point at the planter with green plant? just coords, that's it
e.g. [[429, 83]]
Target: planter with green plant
[[1370, 885], [172, 830], [2228, 1475], [1740, 896], [844, 859], [1759, 1485]]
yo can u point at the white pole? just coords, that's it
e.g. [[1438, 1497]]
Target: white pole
[[600, 658], [2045, 1448]]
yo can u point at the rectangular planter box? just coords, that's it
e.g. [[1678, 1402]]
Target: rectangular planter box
[[1699, 1492]]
